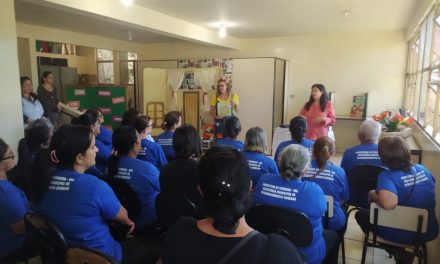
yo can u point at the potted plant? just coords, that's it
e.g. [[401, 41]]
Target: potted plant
[[394, 125]]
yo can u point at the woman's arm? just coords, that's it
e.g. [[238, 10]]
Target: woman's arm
[[330, 120], [385, 199], [213, 113], [18, 227], [122, 217]]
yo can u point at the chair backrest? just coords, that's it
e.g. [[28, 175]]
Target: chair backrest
[[289, 223], [330, 209], [401, 217], [46, 237], [361, 179], [82, 255], [126, 196], [170, 208]]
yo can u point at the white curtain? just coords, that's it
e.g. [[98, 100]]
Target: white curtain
[[174, 81], [205, 78]]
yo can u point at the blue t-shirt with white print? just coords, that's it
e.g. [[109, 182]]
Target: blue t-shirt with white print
[[143, 177], [307, 143], [420, 195], [229, 142], [13, 207], [80, 206], [165, 140], [363, 154], [334, 183], [302, 196], [153, 153], [260, 164]]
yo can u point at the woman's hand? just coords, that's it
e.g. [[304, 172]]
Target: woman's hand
[[319, 119], [233, 102]]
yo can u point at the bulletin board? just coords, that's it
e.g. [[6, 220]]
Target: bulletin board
[[111, 100]]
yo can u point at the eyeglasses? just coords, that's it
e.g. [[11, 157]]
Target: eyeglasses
[[10, 157], [100, 116]]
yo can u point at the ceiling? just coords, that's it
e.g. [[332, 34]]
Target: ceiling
[[252, 18], [277, 18], [29, 13]]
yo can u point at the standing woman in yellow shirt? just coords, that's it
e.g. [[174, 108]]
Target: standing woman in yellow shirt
[[223, 105]]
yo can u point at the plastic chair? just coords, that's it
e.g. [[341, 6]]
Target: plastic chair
[[47, 238], [361, 179], [403, 218], [289, 223], [83, 255], [126, 196], [171, 208]]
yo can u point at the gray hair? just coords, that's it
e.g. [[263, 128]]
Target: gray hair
[[294, 161], [370, 130], [255, 140]]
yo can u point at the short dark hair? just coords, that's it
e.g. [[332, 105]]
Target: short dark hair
[[224, 180], [87, 119], [3, 148], [170, 119], [232, 127], [23, 79], [129, 116], [395, 153], [141, 123], [186, 142]]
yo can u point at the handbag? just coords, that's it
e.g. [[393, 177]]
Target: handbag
[[237, 247]]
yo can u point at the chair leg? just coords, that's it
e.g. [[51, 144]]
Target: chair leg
[[364, 248], [425, 254], [343, 250]]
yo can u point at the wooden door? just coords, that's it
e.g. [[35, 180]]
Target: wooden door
[[191, 109]]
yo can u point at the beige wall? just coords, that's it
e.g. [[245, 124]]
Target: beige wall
[[11, 114], [24, 57], [348, 64]]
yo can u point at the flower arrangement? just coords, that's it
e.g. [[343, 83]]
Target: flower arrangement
[[393, 123]]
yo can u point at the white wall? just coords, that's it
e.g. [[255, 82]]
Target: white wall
[[11, 114], [348, 64]]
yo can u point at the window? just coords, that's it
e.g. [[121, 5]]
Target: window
[[106, 74], [422, 100], [126, 62]]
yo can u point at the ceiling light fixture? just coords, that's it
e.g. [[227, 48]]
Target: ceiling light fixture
[[222, 31], [127, 3], [130, 35]]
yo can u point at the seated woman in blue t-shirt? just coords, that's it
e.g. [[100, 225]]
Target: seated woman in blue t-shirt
[[308, 199], [90, 120], [171, 122], [105, 134], [254, 152], [404, 184], [141, 175], [14, 247], [150, 150], [232, 131], [332, 180], [78, 204], [297, 128]]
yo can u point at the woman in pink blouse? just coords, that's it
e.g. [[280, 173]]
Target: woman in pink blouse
[[319, 113]]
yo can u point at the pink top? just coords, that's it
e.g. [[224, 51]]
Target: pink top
[[317, 130]]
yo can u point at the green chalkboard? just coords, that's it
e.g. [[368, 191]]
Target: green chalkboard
[[110, 99]]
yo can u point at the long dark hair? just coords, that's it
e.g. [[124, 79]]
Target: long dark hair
[[129, 116], [186, 142], [171, 118], [232, 127], [224, 180], [30, 145], [322, 101], [67, 142], [297, 128], [44, 76], [124, 137]]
